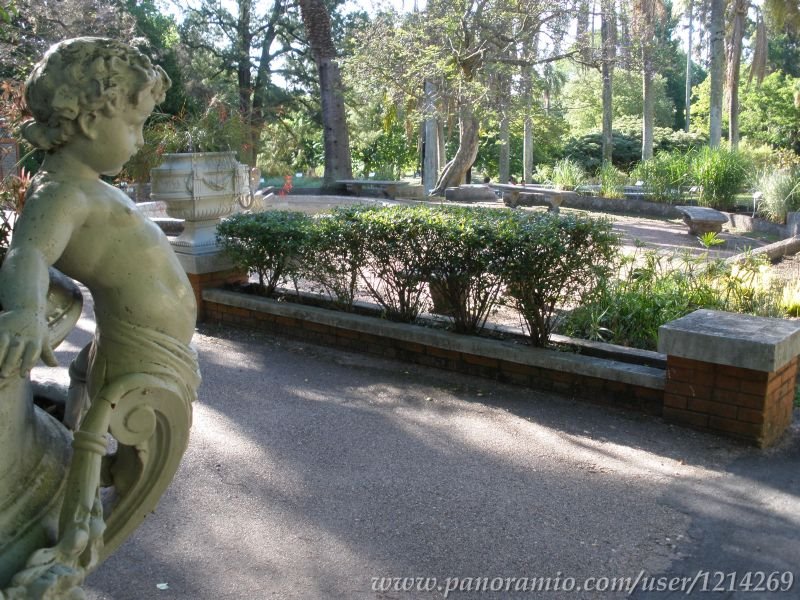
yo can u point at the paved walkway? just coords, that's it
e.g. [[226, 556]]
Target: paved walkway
[[312, 471]]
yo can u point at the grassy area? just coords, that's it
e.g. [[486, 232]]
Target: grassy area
[[757, 235]]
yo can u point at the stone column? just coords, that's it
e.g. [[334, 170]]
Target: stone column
[[731, 374]]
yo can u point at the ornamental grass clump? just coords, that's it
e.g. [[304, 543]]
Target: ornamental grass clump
[[554, 262], [720, 175], [268, 244], [780, 194], [665, 175], [612, 181], [567, 174], [652, 289]]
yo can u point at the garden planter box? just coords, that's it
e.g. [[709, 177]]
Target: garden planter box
[[609, 382]]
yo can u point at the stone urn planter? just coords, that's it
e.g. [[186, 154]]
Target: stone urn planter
[[201, 188]]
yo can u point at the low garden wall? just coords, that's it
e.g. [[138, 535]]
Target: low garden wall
[[634, 206], [600, 380], [711, 391]]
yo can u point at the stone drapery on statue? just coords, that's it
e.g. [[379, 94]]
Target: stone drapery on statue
[[66, 501]]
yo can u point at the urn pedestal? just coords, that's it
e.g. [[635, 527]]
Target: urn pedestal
[[202, 188]]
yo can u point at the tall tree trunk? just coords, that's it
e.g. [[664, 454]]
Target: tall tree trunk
[[455, 171], [648, 101], [527, 149], [244, 38], [504, 161], [609, 41], [527, 100], [442, 146], [717, 71], [734, 63], [430, 160], [334, 122], [688, 95], [583, 33]]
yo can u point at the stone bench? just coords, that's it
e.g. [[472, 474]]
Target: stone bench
[[387, 189], [515, 195], [470, 193], [701, 219]]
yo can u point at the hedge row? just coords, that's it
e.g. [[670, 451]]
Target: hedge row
[[405, 257]]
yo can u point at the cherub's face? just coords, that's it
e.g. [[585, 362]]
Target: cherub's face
[[118, 137]]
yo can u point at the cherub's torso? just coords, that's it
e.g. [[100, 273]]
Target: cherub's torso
[[124, 259]]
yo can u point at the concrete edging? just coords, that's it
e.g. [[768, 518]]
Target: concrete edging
[[587, 366]]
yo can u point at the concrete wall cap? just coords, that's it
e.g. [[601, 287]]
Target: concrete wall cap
[[735, 340]]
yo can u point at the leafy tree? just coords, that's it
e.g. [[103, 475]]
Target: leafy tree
[[381, 141], [157, 36], [238, 43], [458, 45], [768, 112], [584, 107], [35, 25]]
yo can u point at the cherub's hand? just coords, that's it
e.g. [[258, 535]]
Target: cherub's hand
[[23, 339]]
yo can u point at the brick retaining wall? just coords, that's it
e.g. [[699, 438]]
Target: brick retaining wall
[[646, 396]]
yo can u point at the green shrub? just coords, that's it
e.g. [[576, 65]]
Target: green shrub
[[653, 289], [398, 239], [665, 139], [721, 174], [664, 175], [554, 260], [267, 243], [627, 138], [587, 150], [567, 174], [467, 256], [336, 254], [780, 194]]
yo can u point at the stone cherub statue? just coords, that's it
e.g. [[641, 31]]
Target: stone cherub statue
[[90, 98]]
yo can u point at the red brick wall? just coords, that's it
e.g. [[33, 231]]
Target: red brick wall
[[216, 279], [752, 405], [596, 390]]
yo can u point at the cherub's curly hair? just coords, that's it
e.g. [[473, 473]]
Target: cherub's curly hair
[[83, 75]]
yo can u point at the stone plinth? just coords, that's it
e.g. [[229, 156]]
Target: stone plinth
[[206, 271], [731, 374]]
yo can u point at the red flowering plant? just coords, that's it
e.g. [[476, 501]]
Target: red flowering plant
[[12, 199], [287, 185]]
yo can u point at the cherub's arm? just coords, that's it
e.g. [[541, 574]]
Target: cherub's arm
[[52, 214]]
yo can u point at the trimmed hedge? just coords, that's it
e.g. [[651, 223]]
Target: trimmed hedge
[[404, 256]]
